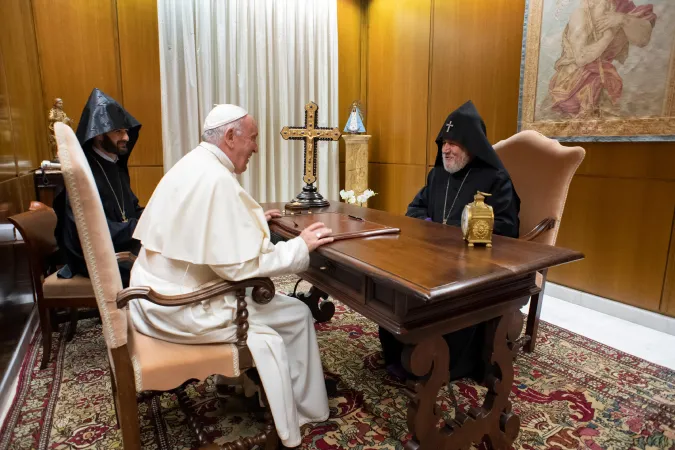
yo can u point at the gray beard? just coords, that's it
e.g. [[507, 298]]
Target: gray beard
[[456, 167]]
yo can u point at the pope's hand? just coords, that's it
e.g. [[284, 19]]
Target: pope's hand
[[272, 214], [316, 235]]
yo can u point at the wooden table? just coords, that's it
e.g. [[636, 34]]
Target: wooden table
[[422, 284]]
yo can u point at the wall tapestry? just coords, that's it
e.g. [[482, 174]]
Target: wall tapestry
[[599, 70]]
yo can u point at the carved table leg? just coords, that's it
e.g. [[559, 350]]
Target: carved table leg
[[493, 422], [321, 311]]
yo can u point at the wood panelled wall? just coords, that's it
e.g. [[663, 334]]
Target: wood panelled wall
[[351, 57], [471, 63], [668, 296], [620, 213], [410, 62], [23, 138], [423, 58], [113, 46], [398, 96]]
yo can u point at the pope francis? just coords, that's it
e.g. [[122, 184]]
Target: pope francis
[[201, 226]]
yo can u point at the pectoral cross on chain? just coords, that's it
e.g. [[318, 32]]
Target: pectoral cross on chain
[[448, 126], [310, 134]]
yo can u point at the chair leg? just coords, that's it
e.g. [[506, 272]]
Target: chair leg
[[533, 321], [272, 441], [127, 406], [113, 385], [73, 324], [271, 436], [127, 413], [46, 329]]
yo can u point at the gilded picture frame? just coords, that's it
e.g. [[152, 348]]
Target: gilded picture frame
[[599, 70]]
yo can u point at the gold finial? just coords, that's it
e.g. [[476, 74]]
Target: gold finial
[[480, 196]]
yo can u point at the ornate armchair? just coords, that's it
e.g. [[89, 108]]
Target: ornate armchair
[[37, 229], [541, 170], [139, 363]]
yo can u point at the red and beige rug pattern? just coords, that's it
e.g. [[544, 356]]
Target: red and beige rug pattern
[[572, 393]]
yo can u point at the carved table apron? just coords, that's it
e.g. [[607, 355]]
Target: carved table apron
[[427, 356], [421, 285]]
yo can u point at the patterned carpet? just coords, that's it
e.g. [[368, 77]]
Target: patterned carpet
[[572, 393]]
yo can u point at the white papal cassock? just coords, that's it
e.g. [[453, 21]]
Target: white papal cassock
[[201, 226]]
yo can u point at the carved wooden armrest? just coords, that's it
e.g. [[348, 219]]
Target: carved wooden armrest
[[125, 256], [263, 293], [544, 225]]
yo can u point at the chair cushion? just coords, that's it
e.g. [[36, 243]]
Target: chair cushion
[[76, 287], [160, 365]]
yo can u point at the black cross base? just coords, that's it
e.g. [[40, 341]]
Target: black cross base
[[308, 198]]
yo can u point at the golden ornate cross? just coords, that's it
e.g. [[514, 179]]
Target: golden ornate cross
[[310, 134]]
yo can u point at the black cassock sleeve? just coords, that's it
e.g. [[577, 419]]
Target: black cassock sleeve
[[506, 206], [138, 208], [122, 233], [419, 207], [67, 237]]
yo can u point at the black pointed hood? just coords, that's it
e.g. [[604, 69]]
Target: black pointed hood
[[467, 129], [102, 114]]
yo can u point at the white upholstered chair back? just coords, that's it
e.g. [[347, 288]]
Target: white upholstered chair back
[[541, 170], [92, 229]]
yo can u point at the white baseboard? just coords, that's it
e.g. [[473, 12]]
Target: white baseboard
[[648, 319]]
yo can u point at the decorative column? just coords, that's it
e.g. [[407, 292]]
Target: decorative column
[[356, 162]]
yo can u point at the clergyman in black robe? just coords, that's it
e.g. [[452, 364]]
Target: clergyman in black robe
[[465, 163], [107, 134]]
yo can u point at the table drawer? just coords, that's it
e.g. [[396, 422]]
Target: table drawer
[[334, 275]]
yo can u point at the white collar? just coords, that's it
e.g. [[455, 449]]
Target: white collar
[[222, 157], [105, 156]]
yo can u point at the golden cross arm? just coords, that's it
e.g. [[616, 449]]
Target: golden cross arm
[[310, 133]]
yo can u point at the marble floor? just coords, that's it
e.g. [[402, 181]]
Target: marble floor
[[643, 342], [651, 345]]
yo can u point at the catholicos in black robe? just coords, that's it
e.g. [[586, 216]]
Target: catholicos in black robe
[[101, 115], [443, 199]]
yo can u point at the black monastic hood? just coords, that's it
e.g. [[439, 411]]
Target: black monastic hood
[[468, 130], [102, 114]]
